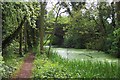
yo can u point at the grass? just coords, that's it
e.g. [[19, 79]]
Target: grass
[[57, 67]]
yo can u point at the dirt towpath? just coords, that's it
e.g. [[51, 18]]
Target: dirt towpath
[[25, 71]]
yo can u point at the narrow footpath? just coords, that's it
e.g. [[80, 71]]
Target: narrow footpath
[[25, 71]]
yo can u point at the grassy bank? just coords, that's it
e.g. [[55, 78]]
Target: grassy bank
[[11, 65], [56, 67]]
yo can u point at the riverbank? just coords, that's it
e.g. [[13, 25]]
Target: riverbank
[[57, 67], [83, 54]]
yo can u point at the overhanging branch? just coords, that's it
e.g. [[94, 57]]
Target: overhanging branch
[[11, 37]]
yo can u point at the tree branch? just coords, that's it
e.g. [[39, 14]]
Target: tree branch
[[11, 37]]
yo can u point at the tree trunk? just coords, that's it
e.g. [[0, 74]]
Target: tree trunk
[[42, 5], [113, 16], [29, 41], [25, 36], [33, 36], [118, 12], [102, 26], [10, 38], [20, 43], [118, 22]]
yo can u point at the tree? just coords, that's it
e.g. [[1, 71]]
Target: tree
[[118, 12], [21, 13], [10, 38], [42, 11], [25, 36], [118, 30], [20, 43], [113, 14]]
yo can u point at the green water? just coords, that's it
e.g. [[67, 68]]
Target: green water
[[84, 54]]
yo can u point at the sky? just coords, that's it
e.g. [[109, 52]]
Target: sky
[[51, 3], [57, 0]]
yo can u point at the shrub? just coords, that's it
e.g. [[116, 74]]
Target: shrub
[[115, 47], [2, 69], [74, 41]]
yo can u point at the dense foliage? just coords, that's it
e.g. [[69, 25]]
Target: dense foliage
[[2, 70], [94, 27], [10, 63], [14, 17], [29, 26]]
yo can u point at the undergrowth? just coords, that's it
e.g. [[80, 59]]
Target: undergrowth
[[56, 67], [11, 64]]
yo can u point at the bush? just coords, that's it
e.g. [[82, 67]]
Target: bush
[[54, 40], [96, 44], [12, 60], [74, 41], [11, 64], [2, 69], [115, 47]]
